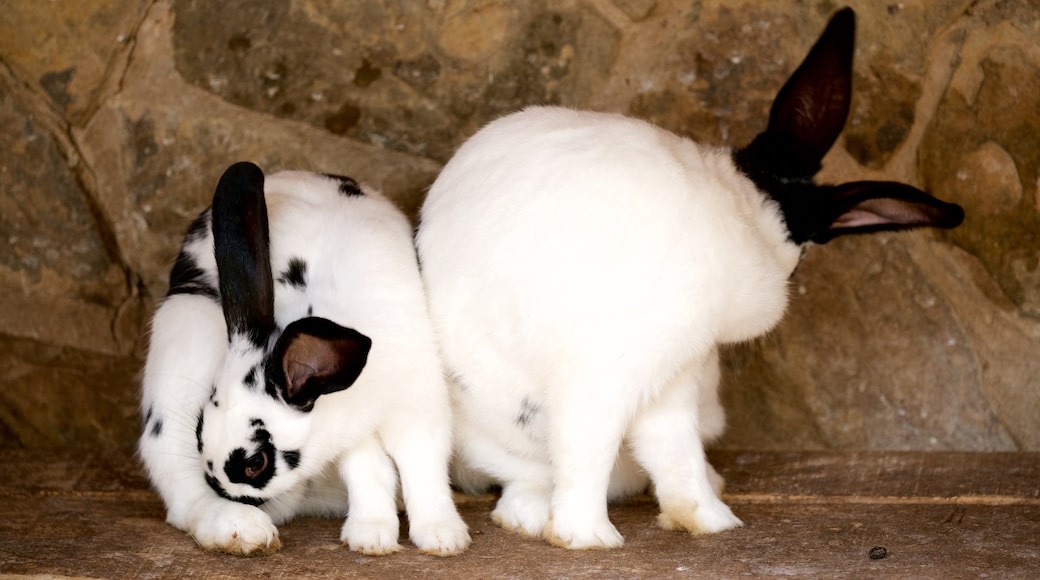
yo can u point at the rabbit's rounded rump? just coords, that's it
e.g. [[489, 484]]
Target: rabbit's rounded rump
[[580, 267]]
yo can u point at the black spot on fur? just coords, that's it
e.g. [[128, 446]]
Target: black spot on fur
[[199, 228], [187, 277], [257, 423], [292, 458], [250, 379], [198, 431], [270, 386], [209, 465], [157, 428], [296, 275], [347, 185], [456, 379], [310, 310], [528, 411], [216, 487]]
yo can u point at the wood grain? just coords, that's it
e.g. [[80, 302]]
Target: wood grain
[[818, 514]]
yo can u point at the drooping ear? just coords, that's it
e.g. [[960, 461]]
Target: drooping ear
[[871, 206], [315, 357], [241, 243], [809, 112]]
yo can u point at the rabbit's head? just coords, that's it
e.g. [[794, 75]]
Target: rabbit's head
[[253, 431], [806, 118]]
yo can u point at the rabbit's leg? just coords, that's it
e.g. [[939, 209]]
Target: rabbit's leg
[[372, 526], [421, 452], [711, 417], [587, 422], [526, 482], [666, 438]]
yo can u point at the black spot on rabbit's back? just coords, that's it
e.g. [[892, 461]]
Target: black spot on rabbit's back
[[199, 228], [187, 277], [347, 185], [528, 412], [295, 275]]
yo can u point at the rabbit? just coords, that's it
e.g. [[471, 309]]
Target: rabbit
[[292, 360], [583, 269]]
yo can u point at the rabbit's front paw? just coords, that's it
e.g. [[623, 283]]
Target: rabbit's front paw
[[441, 538], [709, 518], [579, 535], [523, 509], [236, 529], [371, 537]]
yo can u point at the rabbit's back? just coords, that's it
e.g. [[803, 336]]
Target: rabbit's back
[[342, 252], [555, 230]]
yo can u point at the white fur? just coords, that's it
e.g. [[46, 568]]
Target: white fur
[[586, 266], [361, 274]]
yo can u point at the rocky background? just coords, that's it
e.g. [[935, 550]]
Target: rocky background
[[118, 116]]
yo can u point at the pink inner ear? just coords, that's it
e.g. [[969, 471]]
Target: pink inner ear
[[882, 211], [857, 218]]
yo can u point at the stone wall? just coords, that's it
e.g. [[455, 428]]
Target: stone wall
[[119, 115]]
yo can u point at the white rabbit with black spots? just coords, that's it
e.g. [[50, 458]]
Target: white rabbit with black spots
[[293, 361], [582, 270]]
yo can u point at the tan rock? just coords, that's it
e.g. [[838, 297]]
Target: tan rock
[[118, 117]]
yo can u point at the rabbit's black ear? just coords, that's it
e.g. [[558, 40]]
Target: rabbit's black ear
[[808, 113], [871, 206], [241, 242], [315, 357]]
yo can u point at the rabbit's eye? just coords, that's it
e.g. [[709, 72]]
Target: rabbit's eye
[[256, 465]]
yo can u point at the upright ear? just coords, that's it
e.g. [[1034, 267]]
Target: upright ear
[[315, 357], [871, 206], [241, 243], [810, 110], [807, 116]]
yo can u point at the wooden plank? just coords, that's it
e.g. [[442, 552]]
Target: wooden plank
[[805, 514], [982, 477]]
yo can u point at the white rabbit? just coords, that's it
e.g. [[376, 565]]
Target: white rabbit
[[582, 269], [249, 420]]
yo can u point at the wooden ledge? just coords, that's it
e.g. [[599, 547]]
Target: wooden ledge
[[806, 514]]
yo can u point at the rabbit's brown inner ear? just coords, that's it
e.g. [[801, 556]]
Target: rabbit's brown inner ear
[[315, 357], [307, 358]]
